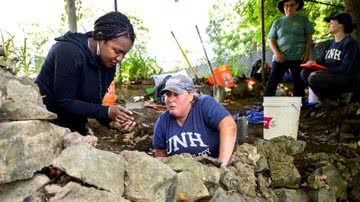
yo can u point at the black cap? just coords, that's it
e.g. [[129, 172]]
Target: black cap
[[344, 19], [280, 5]]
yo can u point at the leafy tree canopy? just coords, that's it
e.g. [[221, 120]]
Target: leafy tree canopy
[[235, 25]]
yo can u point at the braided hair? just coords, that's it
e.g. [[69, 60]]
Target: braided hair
[[110, 26], [113, 25]]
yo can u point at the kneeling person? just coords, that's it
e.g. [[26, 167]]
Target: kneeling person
[[193, 124]]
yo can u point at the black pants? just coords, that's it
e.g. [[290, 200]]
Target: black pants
[[277, 73], [326, 84]]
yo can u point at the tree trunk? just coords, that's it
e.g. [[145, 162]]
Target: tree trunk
[[71, 15], [352, 7]]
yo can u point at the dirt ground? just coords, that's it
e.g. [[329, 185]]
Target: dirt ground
[[321, 128]]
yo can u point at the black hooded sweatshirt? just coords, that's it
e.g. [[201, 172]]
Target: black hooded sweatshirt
[[73, 82]]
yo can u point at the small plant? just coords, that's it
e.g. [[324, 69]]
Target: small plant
[[8, 44], [24, 57], [27, 58], [138, 66]]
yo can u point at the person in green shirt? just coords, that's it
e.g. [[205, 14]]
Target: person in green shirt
[[290, 39]]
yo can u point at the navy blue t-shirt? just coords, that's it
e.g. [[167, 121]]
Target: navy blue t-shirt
[[198, 136]]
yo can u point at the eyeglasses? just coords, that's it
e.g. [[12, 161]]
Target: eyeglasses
[[290, 5]]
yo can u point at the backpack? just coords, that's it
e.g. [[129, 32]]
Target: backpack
[[158, 97]]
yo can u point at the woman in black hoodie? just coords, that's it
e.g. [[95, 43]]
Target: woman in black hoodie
[[78, 70]]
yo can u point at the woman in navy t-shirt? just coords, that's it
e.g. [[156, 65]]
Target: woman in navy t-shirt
[[193, 124]]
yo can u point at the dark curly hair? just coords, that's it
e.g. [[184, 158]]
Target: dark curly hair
[[113, 25]]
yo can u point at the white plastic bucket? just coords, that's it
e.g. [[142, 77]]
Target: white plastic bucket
[[281, 116]]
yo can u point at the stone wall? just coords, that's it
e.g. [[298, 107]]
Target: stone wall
[[35, 166]]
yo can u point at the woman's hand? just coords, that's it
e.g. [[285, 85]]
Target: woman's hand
[[120, 114], [309, 63], [127, 126], [305, 57], [160, 153], [279, 57]]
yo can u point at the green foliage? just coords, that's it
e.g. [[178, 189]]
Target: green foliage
[[224, 31], [237, 68], [29, 56], [317, 12], [24, 59], [138, 66], [7, 42], [235, 25], [34, 48]]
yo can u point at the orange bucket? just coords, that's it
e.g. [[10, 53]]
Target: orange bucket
[[223, 77], [110, 97]]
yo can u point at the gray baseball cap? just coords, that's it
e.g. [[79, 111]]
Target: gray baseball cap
[[179, 84]]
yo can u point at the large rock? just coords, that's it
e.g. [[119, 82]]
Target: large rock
[[13, 111], [264, 184], [322, 194], [333, 178], [247, 177], [20, 99], [296, 147], [26, 147], [190, 187], [240, 179], [247, 154], [283, 172], [222, 195], [7, 66], [99, 168], [230, 180], [18, 191], [75, 192], [19, 89], [185, 162], [290, 195], [147, 179], [262, 164]]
